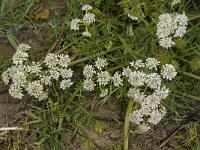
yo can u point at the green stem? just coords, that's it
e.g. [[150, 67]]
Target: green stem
[[95, 55], [127, 122], [118, 67], [194, 17], [127, 48], [188, 96], [77, 90], [191, 75]]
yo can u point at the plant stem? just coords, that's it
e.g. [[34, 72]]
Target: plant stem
[[95, 55], [191, 75], [66, 106], [188, 96], [127, 122]]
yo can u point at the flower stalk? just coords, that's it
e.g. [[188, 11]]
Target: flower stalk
[[127, 122]]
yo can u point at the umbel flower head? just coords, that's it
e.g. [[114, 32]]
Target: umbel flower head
[[171, 26], [147, 89], [97, 75], [175, 2], [87, 20], [34, 79], [75, 24], [87, 7], [132, 17], [146, 81], [103, 77]]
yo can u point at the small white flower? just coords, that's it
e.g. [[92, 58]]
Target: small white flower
[[136, 117], [86, 34], [129, 30], [153, 80], [151, 110], [126, 71], [45, 79], [64, 84], [43, 96], [101, 63], [35, 88], [152, 63], [151, 102], [15, 69], [175, 2], [117, 81], [19, 78], [136, 95], [137, 78], [19, 57], [88, 71], [51, 60], [88, 84], [180, 31], [86, 7], [74, 25], [168, 71], [66, 73], [166, 42], [63, 60], [6, 77], [104, 93], [34, 68], [15, 91], [170, 26], [162, 93], [18, 74], [54, 73], [181, 19], [165, 26], [143, 128], [135, 18], [146, 108], [23, 47], [103, 78], [89, 18], [137, 64], [155, 117]]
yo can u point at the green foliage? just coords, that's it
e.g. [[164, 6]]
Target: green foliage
[[70, 111]]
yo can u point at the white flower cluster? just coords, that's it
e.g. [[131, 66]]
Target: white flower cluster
[[32, 78], [87, 7], [175, 2], [132, 17], [88, 18], [171, 26], [146, 80], [88, 73], [103, 77], [147, 89], [135, 10]]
